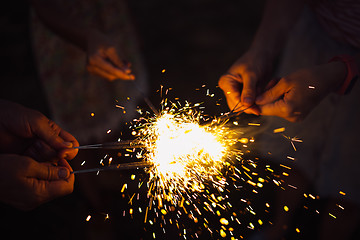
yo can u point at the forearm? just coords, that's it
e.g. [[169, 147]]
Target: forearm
[[278, 19], [348, 67], [69, 28]]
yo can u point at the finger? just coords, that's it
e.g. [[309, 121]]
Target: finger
[[68, 153], [115, 59], [106, 66], [64, 163], [47, 171], [48, 131], [281, 108], [101, 73], [252, 110], [249, 89], [271, 83], [44, 190], [231, 87], [104, 74], [55, 189], [273, 94], [40, 151], [277, 108], [62, 187]]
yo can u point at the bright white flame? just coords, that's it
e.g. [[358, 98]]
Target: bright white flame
[[184, 153], [182, 145]]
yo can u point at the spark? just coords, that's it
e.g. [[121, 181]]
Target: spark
[[291, 158], [341, 207], [254, 124], [224, 221], [124, 187], [279, 130], [294, 187], [284, 166]]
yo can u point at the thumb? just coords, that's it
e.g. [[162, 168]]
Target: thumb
[[48, 131], [249, 90], [47, 171], [273, 94]]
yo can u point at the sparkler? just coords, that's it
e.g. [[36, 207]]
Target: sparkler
[[182, 125], [184, 154], [113, 145], [193, 163], [121, 166]]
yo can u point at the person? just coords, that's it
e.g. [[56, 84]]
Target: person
[[89, 63], [290, 72], [252, 72], [33, 157], [87, 57]]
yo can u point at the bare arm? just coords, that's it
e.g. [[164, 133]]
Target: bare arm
[[278, 19], [104, 56], [250, 73], [295, 95], [71, 29]]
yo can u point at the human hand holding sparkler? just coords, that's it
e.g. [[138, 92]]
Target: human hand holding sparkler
[[26, 183], [243, 81], [250, 74], [28, 132], [33, 153], [295, 95]]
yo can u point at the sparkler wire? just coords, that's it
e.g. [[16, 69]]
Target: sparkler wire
[[121, 166], [135, 144], [113, 145]]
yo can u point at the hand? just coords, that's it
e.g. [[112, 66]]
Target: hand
[[295, 95], [27, 132], [104, 59], [26, 183], [244, 80]]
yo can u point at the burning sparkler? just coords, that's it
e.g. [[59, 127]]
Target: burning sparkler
[[193, 165], [184, 153]]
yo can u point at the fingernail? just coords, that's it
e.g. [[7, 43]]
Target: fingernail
[[63, 173], [68, 144]]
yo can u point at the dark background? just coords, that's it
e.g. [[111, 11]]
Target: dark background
[[195, 41]]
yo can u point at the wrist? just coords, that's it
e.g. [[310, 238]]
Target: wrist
[[264, 50], [347, 73]]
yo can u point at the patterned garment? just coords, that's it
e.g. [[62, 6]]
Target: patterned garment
[[341, 19], [72, 93], [328, 155]]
